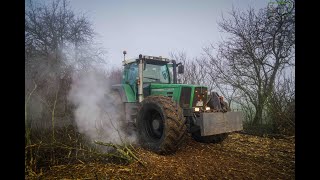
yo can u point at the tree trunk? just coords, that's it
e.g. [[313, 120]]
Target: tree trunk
[[258, 116]]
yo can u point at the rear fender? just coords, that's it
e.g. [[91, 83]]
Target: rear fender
[[125, 91], [128, 98]]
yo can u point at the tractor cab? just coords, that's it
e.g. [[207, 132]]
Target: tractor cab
[[156, 70]]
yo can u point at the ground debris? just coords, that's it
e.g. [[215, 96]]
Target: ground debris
[[240, 156]]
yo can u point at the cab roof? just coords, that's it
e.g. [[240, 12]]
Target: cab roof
[[149, 59]]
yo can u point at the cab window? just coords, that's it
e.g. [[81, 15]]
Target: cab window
[[132, 73], [156, 73]]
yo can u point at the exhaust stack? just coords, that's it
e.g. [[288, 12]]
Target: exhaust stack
[[140, 80]]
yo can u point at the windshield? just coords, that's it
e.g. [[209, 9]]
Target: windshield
[[156, 73]]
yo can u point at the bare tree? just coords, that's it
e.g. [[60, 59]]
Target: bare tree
[[260, 45], [115, 76], [182, 57], [197, 71], [57, 43], [50, 27], [281, 105], [194, 69]]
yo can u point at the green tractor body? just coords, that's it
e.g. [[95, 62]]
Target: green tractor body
[[163, 111]]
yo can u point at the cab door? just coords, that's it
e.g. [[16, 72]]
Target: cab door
[[132, 76]]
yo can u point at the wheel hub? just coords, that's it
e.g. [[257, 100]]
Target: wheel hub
[[156, 124]]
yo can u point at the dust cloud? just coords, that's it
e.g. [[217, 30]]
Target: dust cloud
[[98, 113]]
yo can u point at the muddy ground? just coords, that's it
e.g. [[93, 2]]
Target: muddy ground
[[240, 156]]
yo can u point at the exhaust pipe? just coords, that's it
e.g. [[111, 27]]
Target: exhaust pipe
[[140, 80]]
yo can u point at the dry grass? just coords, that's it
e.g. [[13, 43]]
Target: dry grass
[[240, 156], [69, 148]]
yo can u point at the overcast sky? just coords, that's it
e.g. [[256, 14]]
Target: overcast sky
[[157, 27]]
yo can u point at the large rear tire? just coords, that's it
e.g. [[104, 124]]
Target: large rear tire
[[160, 124]]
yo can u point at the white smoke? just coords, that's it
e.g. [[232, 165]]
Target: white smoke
[[97, 114]]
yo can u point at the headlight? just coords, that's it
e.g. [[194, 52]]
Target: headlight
[[196, 109], [207, 108]]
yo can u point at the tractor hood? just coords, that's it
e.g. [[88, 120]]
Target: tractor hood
[[185, 94]]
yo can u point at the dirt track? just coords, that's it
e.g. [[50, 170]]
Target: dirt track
[[238, 157]]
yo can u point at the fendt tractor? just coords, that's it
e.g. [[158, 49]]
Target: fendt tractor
[[162, 111]]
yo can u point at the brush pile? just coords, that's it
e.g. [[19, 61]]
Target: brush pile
[[240, 156]]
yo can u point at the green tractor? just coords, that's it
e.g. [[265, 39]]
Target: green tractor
[[162, 112]]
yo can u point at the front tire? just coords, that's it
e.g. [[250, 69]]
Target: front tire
[[160, 124]]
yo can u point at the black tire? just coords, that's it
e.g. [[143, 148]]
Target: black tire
[[160, 125], [209, 139]]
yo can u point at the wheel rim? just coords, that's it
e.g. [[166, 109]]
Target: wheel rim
[[155, 126]]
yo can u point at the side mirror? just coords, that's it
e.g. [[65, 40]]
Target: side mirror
[[180, 69]]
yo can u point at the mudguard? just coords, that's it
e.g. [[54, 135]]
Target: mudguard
[[126, 92]]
